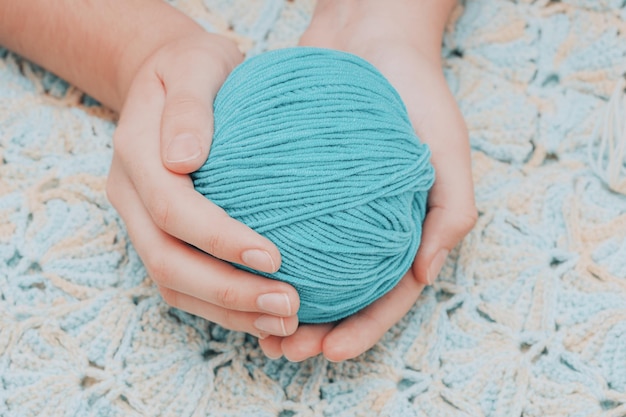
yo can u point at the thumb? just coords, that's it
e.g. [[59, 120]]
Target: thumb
[[451, 206], [186, 132], [443, 229], [191, 80]]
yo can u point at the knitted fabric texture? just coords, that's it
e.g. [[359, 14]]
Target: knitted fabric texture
[[528, 316], [314, 149]]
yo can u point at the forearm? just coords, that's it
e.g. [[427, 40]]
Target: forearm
[[95, 45]]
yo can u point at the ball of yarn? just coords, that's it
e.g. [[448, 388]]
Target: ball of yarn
[[313, 149]]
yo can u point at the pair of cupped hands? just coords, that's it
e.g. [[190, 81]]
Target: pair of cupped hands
[[164, 133]]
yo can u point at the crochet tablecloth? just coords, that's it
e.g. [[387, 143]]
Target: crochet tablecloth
[[528, 317]]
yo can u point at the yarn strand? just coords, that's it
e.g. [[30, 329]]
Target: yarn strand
[[314, 149]]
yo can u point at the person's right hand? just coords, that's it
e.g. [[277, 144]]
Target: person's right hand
[[402, 39], [164, 133]]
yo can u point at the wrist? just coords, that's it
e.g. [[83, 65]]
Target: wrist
[[97, 46], [174, 45], [418, 24]]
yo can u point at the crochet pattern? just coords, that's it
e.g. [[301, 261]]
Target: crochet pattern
[[527, 318]]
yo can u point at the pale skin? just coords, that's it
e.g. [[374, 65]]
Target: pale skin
[[161, 71]]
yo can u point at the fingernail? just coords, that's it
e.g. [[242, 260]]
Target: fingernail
[[273, 357], [271, 325], [184, 147], [259, 260], [436, 265], [275, 303]]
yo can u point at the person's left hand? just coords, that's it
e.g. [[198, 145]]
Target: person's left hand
[[402, 40]]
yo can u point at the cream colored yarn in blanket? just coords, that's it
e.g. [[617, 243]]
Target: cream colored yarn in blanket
[[527, 319]]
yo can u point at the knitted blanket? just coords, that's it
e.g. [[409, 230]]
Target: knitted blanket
[[528, 317]]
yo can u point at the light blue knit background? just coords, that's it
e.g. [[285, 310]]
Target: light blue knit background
[[529, 314]]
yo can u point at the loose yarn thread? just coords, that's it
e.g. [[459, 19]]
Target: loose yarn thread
[[314, 150], [607, 147]]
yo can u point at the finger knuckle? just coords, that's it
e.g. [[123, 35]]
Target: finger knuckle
[[214, 244], [469, 219], [228, 297], [184, 105], [159, 209], [169, 296], [158, 269]]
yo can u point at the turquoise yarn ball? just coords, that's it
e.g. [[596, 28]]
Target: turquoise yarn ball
[[313, 149]]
